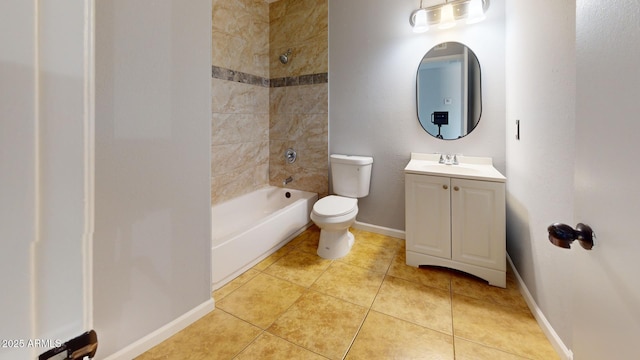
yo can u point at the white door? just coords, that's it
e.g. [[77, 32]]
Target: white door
[[428, 220], [478, 223], [606, 304]]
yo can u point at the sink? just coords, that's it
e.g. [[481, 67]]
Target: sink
[[451, 169], [479, 168]]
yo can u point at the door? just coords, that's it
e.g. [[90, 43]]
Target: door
[[428, 215], [606, 304], [478, 223]]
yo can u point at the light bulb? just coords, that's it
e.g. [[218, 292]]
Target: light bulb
[[475, 12], [420, 23], [446, 17]]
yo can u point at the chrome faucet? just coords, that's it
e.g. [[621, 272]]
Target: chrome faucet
[[448, 159], [287, 180]]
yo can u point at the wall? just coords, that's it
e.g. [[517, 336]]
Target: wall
[[240, 98], [298, 111], [152, 193], [541, 94], [373, 59]]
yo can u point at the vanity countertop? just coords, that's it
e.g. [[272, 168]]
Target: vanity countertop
[[469, 167]]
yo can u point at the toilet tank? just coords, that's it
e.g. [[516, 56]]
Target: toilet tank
[[351, 175]]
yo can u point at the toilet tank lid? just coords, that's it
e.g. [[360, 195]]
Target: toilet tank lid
[[351, 159]]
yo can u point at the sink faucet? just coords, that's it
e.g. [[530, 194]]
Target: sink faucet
[[287, 180], [448, 159]]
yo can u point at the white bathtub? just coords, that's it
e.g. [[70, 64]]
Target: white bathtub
[[251, 227]]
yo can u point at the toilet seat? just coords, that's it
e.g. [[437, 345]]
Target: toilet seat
[[332, 205]]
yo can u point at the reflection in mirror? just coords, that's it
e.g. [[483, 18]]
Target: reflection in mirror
[[448, 91]]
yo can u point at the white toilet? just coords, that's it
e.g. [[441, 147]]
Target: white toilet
[[334, 214]]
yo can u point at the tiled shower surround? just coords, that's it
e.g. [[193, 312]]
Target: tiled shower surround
[[261, 107]]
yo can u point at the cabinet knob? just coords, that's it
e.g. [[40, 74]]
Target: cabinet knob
[[445, 187], [456, 188]]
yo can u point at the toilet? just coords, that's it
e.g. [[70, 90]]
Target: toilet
[[334, 214]]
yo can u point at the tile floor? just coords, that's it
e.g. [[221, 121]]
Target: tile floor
[[367, 305]]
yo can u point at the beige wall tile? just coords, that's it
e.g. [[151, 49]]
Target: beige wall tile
[[240, 31], [248, 36], [238, 98], [238, 128]]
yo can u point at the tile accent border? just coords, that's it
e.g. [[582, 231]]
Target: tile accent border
[[241, 77], [238, 76], [311, 79]]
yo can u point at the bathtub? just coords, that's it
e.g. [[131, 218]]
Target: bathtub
[[247, 229]]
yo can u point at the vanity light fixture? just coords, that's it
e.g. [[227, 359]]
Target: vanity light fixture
[[446, 15], [447, 20], [475, 12], [420, 23]]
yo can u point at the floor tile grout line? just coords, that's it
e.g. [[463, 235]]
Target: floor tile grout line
[[250, 343], [491, 302], [309, 289], [369, 308], [409, 321], [493, 348], [357, 333], [303, 245], [453, 328]]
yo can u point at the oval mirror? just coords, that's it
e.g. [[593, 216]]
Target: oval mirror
[[448, 91]]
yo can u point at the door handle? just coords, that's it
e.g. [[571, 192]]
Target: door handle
[[563, 235]]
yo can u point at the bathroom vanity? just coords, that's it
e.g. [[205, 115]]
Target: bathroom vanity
[[455, 215]]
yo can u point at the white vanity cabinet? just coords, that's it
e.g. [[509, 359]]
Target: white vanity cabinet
[[455, 217]]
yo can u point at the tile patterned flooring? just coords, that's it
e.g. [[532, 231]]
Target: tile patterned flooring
[[367, 305]]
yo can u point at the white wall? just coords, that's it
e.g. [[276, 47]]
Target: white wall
[[152, 231], [541, 94], [373, 60]]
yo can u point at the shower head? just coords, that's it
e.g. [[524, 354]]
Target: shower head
[[284, 58]]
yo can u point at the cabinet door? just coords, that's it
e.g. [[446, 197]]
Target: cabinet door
[[478, 223], [428, 215]]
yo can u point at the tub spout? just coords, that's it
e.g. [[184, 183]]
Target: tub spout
[[287, 180]]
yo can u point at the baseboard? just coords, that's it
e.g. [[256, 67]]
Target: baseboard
[[551, 334], [379, 229], [139, 347]]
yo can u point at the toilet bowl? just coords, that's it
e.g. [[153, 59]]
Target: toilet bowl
[[334, 214]]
